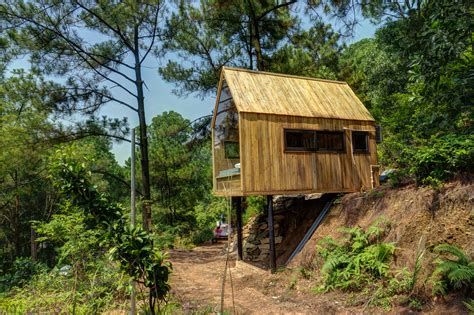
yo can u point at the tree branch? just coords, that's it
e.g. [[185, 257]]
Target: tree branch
[[155, 25], [281, 5], [116, 31], [117, 178]]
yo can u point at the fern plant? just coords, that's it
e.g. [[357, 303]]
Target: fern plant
[[354, 260], [454, 270], [469, 304]]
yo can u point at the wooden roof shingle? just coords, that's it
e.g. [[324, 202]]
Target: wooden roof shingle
[[280, 94]]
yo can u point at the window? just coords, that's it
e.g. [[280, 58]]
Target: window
[[312, 140], [231, 150], [360, 141], [330, 141], [300, 140], [378, 134]]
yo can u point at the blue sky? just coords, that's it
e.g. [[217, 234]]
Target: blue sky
[[159, 97]]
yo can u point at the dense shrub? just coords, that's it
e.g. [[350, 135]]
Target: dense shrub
[[101, 225], [23, 269], [441, 158], [96, 290], [429, 161]]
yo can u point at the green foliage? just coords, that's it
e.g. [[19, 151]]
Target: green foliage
[[21, 272], [180, 170], [414, 275], [442, 158], [355, 260], [180, 166], [95, 290], [469, 305], [217, 33], [132, 247], [72, 180], [263, 35], [207, 213], [140, 260], [415, 304], [314, 53], [415, 77], [305, 273], [453, 271], [255, 206], [385, 290], [68, 232]]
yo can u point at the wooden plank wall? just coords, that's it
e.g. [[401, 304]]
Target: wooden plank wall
[[267, 169], [228, 186]]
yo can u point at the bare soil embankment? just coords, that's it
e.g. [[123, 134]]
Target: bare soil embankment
[[420, 218]]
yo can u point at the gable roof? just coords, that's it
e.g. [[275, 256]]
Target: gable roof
[[280, 94]]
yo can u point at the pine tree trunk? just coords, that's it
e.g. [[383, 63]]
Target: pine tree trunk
[[258, 51], [146, 207], [256, 39]]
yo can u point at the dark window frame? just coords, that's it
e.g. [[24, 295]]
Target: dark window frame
[[297, 149], [360, 133], [378, 134], [315, 132]]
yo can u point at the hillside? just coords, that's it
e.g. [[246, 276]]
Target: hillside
[[418, 218]]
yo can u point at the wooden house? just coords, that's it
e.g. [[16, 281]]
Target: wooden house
[[276, 134]]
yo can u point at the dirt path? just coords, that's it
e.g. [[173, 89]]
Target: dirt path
[[197, 279], [196, 283]]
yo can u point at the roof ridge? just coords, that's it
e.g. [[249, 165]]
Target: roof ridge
[[283, 75]]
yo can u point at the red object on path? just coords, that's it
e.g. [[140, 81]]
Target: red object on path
[[221, 232]]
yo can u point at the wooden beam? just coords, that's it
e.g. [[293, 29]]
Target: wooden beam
[[271, 234], [238, 208]]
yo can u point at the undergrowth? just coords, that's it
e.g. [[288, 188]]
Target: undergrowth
[[355, 260], [359, 263], [95, 290], [454, 270]]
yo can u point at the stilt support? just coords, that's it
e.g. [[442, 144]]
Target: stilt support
[[238, 208], [271, 234]]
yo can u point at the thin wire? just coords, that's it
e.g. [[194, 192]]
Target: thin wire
[[228, 251], [227, 260], [232, 289]]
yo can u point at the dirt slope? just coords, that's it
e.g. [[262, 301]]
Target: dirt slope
[[419, 218]]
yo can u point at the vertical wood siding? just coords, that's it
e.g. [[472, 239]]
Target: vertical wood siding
[[268, 169]]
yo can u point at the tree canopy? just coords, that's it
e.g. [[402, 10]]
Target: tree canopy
[[64, 197]]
